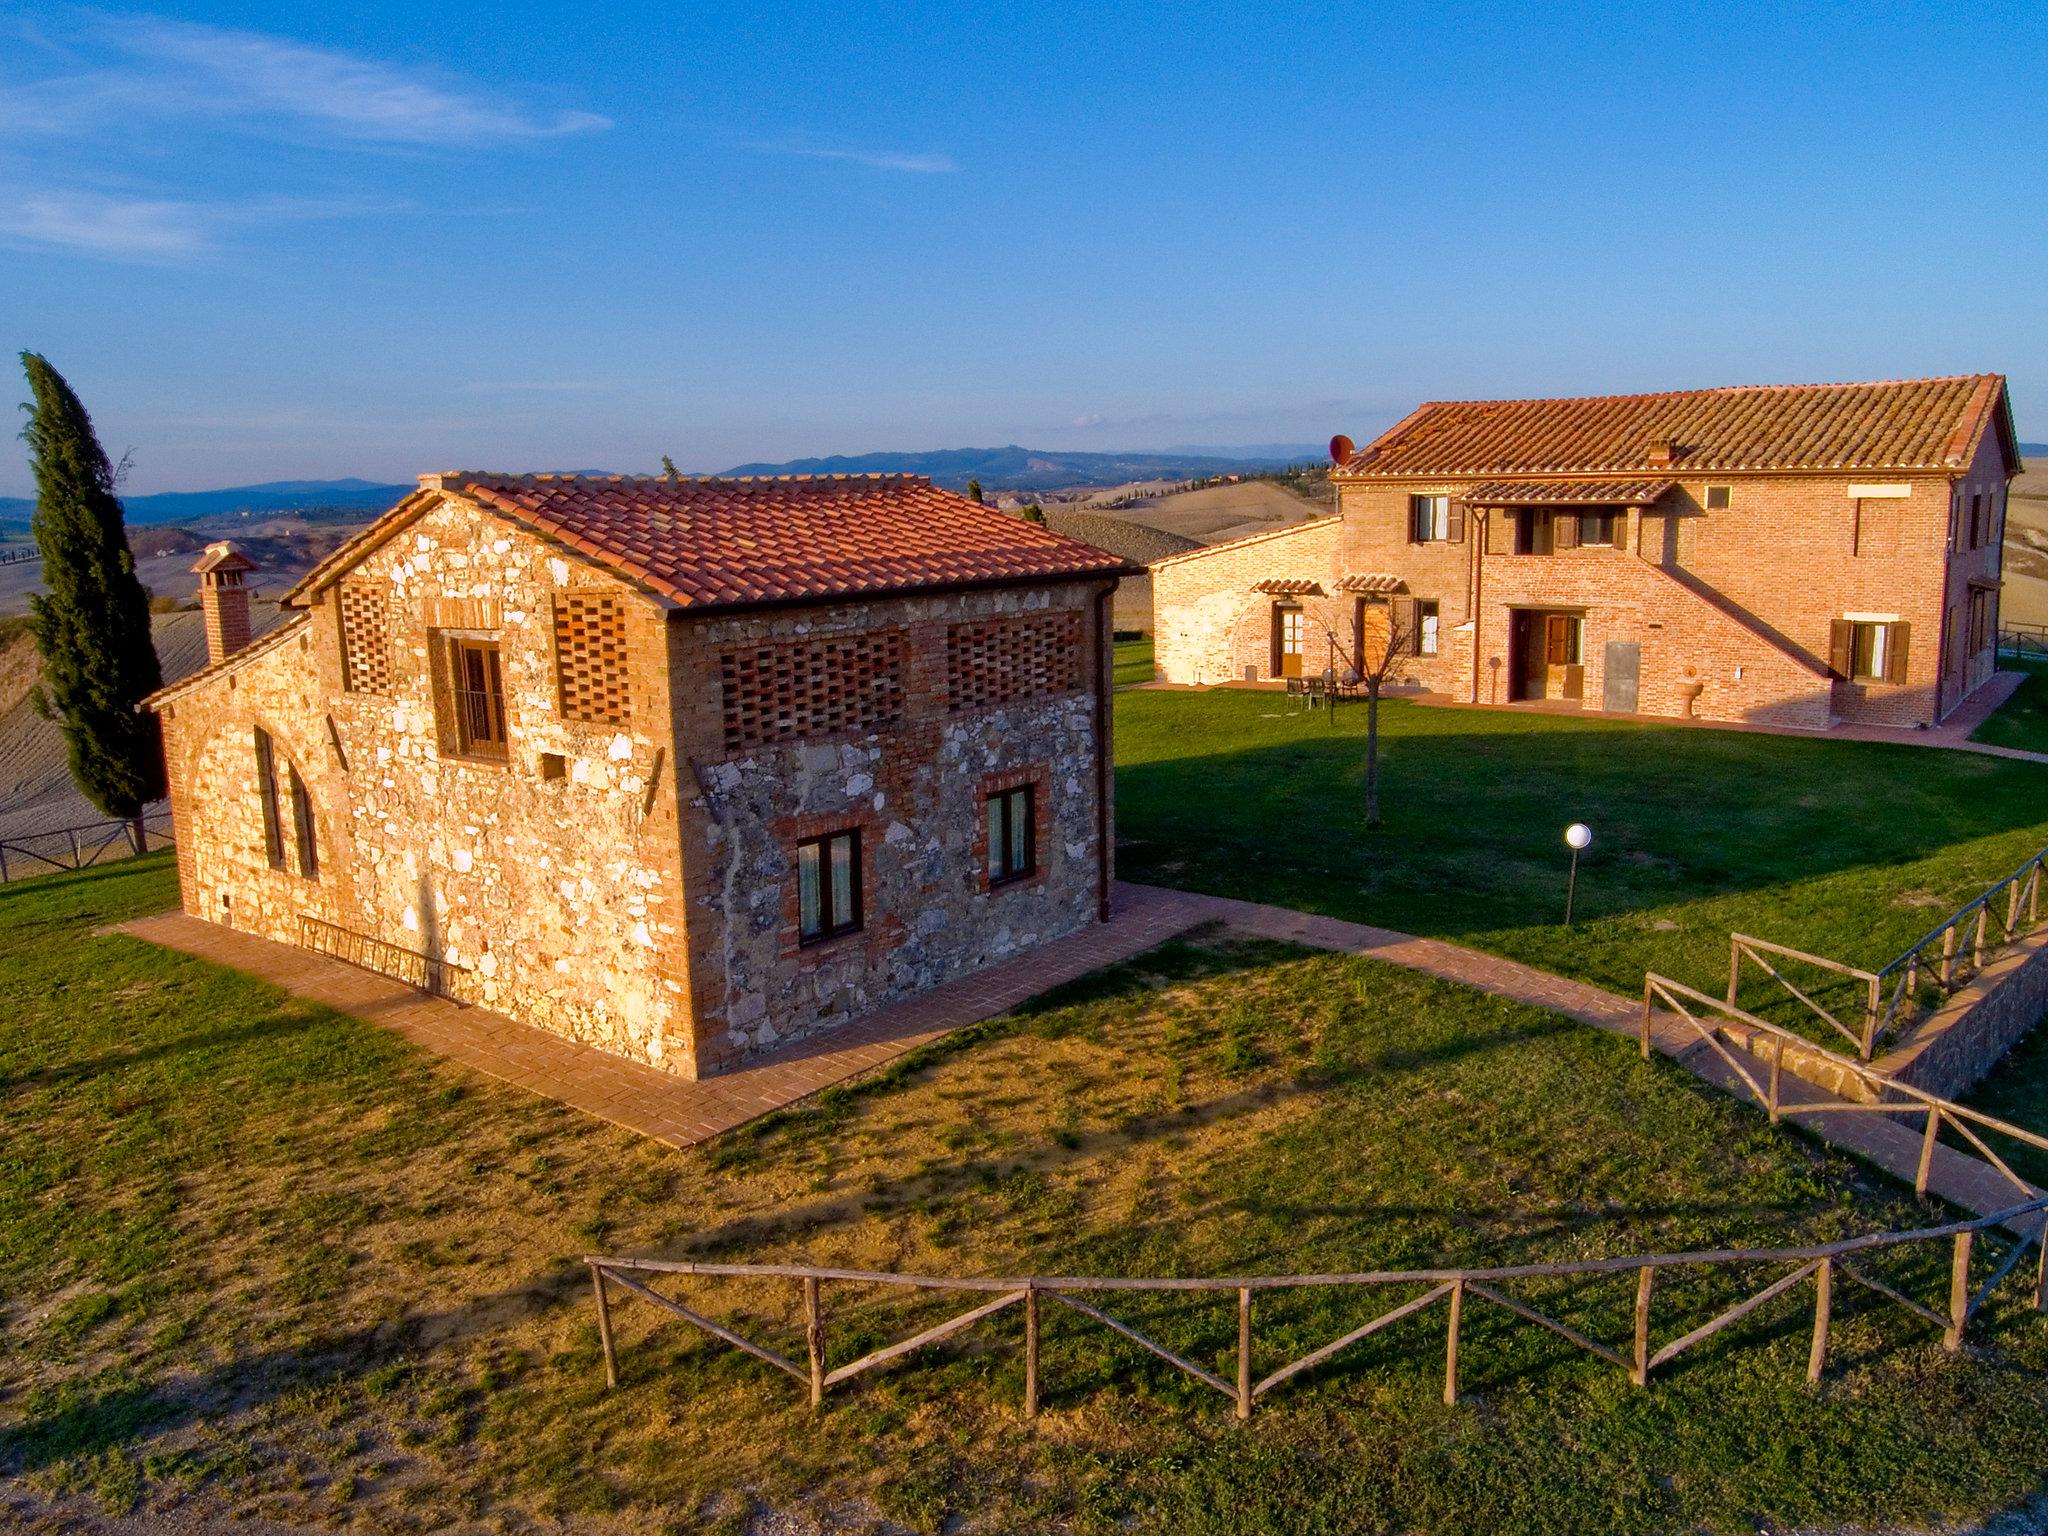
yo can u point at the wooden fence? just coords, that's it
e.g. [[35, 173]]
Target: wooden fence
[[1638, 1357], [80, 847], [1948, 955]]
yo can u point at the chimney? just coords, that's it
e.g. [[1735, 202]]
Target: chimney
[[224, 599], [1662, 451]]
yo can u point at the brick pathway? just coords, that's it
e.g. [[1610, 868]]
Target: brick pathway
[[657, 1103], [1960, 1179]]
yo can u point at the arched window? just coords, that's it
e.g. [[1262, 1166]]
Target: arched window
[[305, 846]]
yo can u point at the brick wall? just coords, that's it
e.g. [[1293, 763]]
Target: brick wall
[[1731, 609]]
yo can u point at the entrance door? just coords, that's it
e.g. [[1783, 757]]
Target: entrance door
[[1546, 650], [1621, 676], [1288, 646]]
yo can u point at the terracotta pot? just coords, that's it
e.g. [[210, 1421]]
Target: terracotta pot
[[1688, 691]]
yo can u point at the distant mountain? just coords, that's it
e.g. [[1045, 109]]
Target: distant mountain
[[2034, 450], [274, 496], [1027, 469]]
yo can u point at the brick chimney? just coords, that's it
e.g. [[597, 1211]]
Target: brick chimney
[[1663, 451], [224, 599]]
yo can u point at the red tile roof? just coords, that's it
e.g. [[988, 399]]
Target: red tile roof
[[1926, 424], [759, 542], [1583, 493]]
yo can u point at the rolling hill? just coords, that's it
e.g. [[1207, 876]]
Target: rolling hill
[[274, 496], [1023, 469]]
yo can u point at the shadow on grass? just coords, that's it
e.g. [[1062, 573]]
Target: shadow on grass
[[271, 1027]]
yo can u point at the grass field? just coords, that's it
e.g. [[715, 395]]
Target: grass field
[[2022, 721], [260, 1260], [1133, 662], [1850, 850]]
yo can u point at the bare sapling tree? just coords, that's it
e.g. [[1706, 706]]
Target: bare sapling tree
[[1378, 657]]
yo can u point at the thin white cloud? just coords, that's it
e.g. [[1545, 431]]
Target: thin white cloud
[[146, 229], [528, 386], [874, 159], [163, 69]]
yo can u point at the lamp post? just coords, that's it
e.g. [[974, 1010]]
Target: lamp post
[[1578, 837]]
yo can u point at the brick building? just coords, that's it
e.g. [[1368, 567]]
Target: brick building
[[1790, 555], [683, 769]]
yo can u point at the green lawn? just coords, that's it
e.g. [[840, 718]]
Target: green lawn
[[1133, 662], [2022, 721], [260, 1260], [1848, 849]]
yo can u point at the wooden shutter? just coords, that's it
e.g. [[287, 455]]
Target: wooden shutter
[[1456, 525], [1841, 648], [1407, 633], [1500, 532], [1895, 653], [1565, 530], [1273, 668]]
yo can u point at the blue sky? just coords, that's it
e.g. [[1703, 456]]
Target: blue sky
[[381, 238]]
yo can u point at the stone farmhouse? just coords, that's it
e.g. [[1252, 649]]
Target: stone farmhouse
[[1787, 555], [684, 769]]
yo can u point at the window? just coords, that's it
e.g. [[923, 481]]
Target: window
[[1597, 527], [1976, 520], [1012, 834], [828, 885], [1426, 629], [1535, 532], [479, 698], [266, 791], [1429, 519], [1720, 497], [1980, 620], [302, 824], [365, 639], [1868, 650]]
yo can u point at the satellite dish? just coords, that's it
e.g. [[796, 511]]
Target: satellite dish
[[1341, 449]]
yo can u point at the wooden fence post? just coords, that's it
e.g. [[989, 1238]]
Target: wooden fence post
[[1031, 1349], [1948, 954], [1927, 1151], [1871, 1010], [1983, 922], [1958, 1294], [1451, 1343], [1644, 1278], [1646, 1021], [1823, 1313], [1734, 969], [1244, 1352], [814, 1340], [1777, 1073], [604, 1326]]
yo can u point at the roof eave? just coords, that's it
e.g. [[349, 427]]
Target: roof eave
[[725, 607]]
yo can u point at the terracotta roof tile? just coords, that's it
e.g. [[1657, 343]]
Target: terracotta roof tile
[[1369, 581], [758, 541], [1927, 424], [1287, 586], [1580, 493]]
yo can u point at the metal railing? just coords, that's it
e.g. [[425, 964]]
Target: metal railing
[[2027, 642], [367, 953], [79, 847], [1638, 1357]]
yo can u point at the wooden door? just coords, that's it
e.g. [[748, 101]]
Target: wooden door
[[1291, 635], [1562, 662]]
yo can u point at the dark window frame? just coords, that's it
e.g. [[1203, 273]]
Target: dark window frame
[[303, 831], [1868, 660], [1000, 816], [1423, 521], [481, 730], [1726, 495], [831, 924], [1427, 608], [1535, 531], [266, 791]]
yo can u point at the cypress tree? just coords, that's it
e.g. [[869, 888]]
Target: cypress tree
[[91, 622]]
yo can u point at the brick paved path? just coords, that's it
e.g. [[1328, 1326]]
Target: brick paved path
[[646, 1099]]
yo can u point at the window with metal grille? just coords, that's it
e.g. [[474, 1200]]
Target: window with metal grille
[[796, 689], [479, 698], [999, 661], [365, 639], [590, 658]]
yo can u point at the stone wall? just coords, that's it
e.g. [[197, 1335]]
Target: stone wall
[[914, 785], [550, 878], [1952, 1050]]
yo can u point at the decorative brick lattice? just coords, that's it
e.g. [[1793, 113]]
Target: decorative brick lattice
[[590, 658], [803, 688], [998, 661], [365, 639]]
